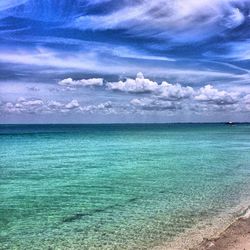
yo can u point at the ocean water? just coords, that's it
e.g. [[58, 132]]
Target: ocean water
[[117, 186]]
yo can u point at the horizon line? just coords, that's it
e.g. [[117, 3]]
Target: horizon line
[[126, 123]]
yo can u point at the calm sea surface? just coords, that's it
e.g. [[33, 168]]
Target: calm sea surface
[[117, 186]]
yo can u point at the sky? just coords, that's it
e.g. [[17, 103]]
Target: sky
[[122, 61]]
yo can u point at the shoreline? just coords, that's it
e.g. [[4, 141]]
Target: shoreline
[[230, 231], [235, 237]]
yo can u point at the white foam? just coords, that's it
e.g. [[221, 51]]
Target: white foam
[[246, 214]]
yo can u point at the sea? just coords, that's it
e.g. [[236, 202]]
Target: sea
[[119, 186]]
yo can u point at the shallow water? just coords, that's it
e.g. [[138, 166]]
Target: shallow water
[[117, 186]]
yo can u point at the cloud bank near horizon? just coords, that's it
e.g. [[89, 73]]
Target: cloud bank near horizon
[[142, 97]]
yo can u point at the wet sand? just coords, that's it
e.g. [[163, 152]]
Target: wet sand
[[235, 237]]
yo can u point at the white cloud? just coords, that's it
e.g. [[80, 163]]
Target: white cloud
[[137, 85], [174, 91], [245, 106], [213, 95], [55, 104], [155, 104], [32, 103], [147, 96], [106, 107], [235, 19], [140, 84], [83, 82], [176, 97], [22, 105], [247, 99], [167, 96], [72, 105]]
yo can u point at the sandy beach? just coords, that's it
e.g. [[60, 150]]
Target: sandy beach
[[235, 237]]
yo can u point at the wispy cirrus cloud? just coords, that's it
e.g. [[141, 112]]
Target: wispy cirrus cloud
[[180, 21], [8, 4], [42, 58]]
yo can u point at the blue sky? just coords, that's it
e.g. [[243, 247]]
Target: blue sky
[[124, 61]]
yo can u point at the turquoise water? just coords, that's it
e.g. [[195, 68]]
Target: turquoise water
[[117, 186]]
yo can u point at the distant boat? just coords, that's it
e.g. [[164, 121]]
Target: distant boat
[[230, 123]]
